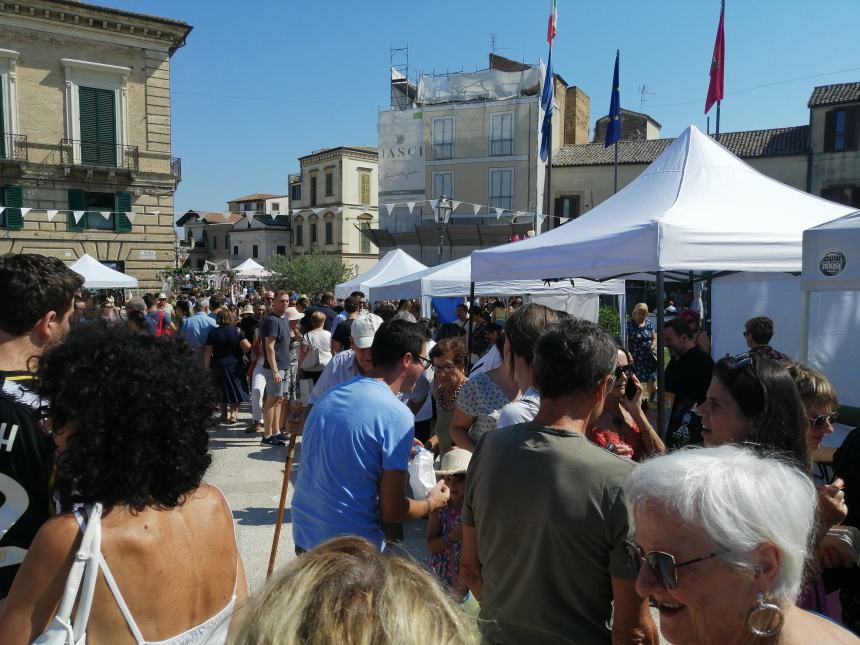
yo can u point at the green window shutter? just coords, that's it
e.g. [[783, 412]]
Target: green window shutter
[[77, 202], [14, 197], [98, 126], [123, 206]]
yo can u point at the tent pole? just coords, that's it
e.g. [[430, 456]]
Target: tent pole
[[803, 356], [469, 339], [661, 375]]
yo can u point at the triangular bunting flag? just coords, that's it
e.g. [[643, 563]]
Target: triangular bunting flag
[[410, 206], [52, 214], [476, 208], [389, 208], [249, 214], [24, 212], [225, 215], [78, 215], [433, 203], [105, 214], [499, 212], [454, 206], [130, 216], [317, 211], [337, 210], [1, 210]]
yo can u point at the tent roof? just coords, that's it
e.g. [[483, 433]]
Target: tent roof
[[454, 279], [831, 255], [393, 264], [697, 207], [251, 269], [98, 276]]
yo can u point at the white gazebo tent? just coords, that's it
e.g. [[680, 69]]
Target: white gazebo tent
[[251, 270], [392, 265], [696, 211], [97, 276], [831, 275], [455, 279]]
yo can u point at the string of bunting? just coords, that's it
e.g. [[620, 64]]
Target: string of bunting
[[77, 215]]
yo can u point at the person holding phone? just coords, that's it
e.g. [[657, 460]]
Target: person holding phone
[[623, 427]]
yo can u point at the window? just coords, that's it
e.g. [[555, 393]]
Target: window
[[848, 195], [567, 206], [281, 250], [10, 198], [226, 242], [443, 184], [329, 232], [201, 263], [235, 249], [313, 191], [276, 208], [443, 138], [502, 189], [365, 239], [300, 235], [502, 135], [363, 187], [98, 126], [313, 233], [100, 211], [2, 125], [329, 184], [840, 129], [296, 192], [255, 253], [214, 242], [8, 103]]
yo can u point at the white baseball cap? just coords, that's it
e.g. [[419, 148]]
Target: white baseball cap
[[364, 329]]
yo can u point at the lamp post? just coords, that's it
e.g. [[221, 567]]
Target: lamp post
[[443, 211]]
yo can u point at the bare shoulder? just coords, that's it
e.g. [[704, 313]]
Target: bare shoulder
[[811, 628], [57, 537], [210, 500]]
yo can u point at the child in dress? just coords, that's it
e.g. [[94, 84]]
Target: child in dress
[[444, 530]]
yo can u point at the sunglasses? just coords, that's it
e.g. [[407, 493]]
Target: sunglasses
[[822, 419], [622, 369], [662, 565]]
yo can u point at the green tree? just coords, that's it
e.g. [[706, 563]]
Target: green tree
[[311, 272], [608, 319]]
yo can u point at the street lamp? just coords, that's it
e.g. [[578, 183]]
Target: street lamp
[[444, 208]]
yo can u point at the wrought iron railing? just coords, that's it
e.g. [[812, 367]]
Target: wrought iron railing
[[93, 153], [14, 146], [176, 168]]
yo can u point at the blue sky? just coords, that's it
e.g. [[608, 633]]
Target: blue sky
[[262, 82]]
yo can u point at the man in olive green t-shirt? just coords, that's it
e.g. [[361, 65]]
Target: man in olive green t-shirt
[[545, 520]]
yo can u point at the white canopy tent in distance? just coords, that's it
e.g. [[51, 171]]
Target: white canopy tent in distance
[[250, 270], [696, 212], [831, 274], [392, 265], [98, 276]]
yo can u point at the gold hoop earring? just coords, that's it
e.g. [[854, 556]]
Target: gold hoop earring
[[762, 615]]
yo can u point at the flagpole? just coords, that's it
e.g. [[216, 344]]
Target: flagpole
[[549, 158]]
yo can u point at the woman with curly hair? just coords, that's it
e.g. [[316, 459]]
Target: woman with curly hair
[[128, 413]]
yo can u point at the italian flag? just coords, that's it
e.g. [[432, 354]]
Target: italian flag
[[553, 21]]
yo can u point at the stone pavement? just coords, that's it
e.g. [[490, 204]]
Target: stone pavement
[[250, 476]]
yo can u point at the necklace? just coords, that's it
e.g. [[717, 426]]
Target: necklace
[[448, 404]]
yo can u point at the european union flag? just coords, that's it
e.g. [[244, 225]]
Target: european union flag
[[547, 98], [613, 128]]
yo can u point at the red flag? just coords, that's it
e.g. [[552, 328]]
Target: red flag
[[718, 66], [553, 21]]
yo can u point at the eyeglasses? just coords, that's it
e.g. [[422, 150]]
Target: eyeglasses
[[442, 369], [742, 360], [822, 419], [662, 565], [425, 362], [622, 369], [746, 333], [49, 421]]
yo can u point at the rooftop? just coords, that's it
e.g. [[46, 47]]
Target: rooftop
[[366, 149], [253, 198], [209, 217], [835, 94], [775, 142]]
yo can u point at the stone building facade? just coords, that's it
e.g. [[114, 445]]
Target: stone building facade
[[85, 123]]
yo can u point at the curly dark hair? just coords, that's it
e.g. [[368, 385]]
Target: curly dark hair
[[139, 407]]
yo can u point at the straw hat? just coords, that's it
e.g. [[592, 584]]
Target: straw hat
[[454, 462], [294, 314], [247, 310]]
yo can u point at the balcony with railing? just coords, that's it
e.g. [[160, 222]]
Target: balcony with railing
[[176, 168], [14, 147], [93, 153]]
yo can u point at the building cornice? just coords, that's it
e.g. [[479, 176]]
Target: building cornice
[[337, 153]]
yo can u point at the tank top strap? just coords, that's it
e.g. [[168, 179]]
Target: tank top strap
[[120, 601]]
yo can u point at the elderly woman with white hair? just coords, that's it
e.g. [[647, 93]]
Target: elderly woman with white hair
[[642, 344], [722, 535]]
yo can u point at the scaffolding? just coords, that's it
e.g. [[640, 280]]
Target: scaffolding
[[402, 91]]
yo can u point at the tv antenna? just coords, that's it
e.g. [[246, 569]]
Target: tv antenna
[[644, 93]]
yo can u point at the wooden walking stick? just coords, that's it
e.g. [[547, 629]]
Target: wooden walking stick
[[291, 446]]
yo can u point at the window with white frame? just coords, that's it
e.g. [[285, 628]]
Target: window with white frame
[[502, 189], [502, 135], [9, 145], [443, 138], [443, 184]]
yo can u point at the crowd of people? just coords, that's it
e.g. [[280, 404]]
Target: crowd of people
[[560, 511]]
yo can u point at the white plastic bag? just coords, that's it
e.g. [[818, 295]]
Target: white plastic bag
[[422, 477]]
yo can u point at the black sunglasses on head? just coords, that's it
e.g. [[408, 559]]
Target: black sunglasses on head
[[662, 565]]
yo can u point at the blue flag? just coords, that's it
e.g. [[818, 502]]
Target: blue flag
[[613, 128], [547, 98]]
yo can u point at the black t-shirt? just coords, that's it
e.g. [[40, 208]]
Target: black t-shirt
[[305, 323], [278, 327], [248, 324], [26, 460], [688, 378], [342, 333]]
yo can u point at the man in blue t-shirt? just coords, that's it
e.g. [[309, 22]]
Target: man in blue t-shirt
[[356, 447]]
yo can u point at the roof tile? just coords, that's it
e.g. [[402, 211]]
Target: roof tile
[[835, 94]]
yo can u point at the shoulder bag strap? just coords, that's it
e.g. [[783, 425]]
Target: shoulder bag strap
[[94, 529]]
